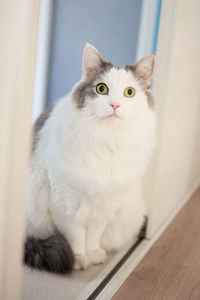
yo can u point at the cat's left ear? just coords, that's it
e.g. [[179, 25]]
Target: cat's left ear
[[92, 61], [144, 68]]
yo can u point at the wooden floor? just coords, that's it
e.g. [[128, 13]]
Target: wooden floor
[[171, 268]]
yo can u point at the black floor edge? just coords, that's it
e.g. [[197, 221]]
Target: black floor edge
[[105, 281]]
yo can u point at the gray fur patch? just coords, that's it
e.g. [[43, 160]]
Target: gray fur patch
[[39, 123], [84, 89], [87, 87], [150, 99], [129, 68]]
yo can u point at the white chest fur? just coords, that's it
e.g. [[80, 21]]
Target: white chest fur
[[98, 157]]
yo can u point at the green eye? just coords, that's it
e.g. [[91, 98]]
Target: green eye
[[102, 89], [129, 92]]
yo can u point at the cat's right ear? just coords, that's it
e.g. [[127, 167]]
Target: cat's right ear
[[92, 60]]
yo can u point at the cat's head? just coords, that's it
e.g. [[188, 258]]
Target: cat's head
[[109, 92]]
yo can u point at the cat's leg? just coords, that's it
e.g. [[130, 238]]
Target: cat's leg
[[70, 225], [38, 219], [76, 235], [126, 223], [95, 253]]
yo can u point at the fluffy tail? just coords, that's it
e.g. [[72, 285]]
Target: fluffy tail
[[53, 254]]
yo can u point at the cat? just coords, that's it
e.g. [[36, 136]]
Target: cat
[[91, 151]]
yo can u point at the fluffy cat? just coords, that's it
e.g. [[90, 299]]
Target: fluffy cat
[[90, 155]]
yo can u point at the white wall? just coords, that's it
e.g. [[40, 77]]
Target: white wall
[[176, 168], [18, 34]]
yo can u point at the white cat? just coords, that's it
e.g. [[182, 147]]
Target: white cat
[[89, 158]]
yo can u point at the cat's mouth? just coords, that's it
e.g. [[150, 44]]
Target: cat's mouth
[[114, 115]]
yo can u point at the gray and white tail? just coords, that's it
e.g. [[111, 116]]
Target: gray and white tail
[[53, 254]]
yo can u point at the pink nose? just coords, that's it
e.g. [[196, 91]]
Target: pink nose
[[115, 106]]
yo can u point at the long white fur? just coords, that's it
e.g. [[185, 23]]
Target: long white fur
[[86, 171]]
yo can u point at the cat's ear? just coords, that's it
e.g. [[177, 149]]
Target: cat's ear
[[144, 68], [92, 60]]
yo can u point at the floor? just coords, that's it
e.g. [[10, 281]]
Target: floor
[[38, 285], [171, 268]]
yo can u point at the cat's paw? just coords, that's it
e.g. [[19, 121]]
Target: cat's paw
[[97, 256], [81, 262]]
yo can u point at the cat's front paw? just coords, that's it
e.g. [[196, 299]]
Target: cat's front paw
[[81, 262], [97, 256]]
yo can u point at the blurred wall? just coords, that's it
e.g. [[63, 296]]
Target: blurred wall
[[111, 26], [176, 169], [17, 61]]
